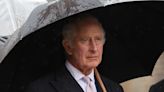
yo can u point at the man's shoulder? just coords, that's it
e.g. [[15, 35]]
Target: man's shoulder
[[47, 81], [50, 76], [40, 84], [44, 79], [108, 81], [110, 84]]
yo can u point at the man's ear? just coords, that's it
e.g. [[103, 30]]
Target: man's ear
[[67, 47]]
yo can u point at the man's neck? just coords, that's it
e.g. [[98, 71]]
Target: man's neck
[[86, 71]]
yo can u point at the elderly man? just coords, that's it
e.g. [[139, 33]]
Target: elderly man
[[83, 40]]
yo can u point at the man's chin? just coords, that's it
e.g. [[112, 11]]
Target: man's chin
[[94, 64]]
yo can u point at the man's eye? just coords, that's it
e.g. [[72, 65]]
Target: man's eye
[[99, 39], [85, 39]]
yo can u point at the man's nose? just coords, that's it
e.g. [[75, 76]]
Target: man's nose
[[93, 46]]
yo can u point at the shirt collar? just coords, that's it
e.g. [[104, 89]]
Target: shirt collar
[[91, 76], [78, 74]]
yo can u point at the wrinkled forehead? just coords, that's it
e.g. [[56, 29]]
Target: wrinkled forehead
[[89, 28], [89, 32]]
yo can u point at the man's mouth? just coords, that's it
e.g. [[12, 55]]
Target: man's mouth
[[92, 57]]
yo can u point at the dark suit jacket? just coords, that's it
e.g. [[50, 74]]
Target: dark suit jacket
[[159, 87], [62, 81]]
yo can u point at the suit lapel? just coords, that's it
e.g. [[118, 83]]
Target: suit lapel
[[98, 86], [64, 82], [108, 88]]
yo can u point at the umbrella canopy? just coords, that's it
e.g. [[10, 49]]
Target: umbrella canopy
[[20, 18], [134, 33]]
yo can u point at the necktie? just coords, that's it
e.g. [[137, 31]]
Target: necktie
[[89, 87]]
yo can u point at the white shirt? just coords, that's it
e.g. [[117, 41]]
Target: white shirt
[[78, 75]]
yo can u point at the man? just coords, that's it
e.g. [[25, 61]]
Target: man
[[83, 40]]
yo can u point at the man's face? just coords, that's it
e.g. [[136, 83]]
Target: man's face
[[87, 47]]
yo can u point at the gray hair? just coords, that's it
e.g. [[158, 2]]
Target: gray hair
[[72, 26]]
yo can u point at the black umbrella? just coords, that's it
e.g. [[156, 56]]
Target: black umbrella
[[134, 41]]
